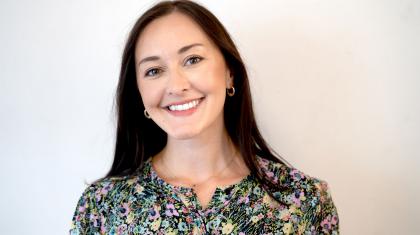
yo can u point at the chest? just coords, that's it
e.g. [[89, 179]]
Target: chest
[[204, 195], [250, 212]]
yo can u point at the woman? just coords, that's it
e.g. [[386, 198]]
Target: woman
[[189, 157]]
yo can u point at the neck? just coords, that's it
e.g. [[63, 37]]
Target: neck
[[197, 159]]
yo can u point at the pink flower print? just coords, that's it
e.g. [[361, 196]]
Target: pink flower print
[[275, 179], [243, 200], [297, 175], [82, 209], [103, 228], [323, 186], [171, 200], [334, 220], [171, 210], [285, 214], [125, 209], [122, 228], [209, 211], [327, 222], [126, 206], [103, 191], [263, 162], [154, 213], [271, 176], [296, 198], [326, 225], [98, 194], [94, 218]]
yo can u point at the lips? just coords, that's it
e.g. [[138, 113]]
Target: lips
[[183, 102], [184, 108]]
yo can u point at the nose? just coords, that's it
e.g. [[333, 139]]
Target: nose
[[177, 82]]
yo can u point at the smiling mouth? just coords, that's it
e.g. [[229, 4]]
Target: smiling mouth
[[185, 106]]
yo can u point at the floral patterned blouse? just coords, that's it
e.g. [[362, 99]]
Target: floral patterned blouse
[[146, 204]]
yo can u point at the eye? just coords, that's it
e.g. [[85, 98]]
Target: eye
[[152, 72], [193, 60]]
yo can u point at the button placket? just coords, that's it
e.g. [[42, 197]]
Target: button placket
[[189, 201]]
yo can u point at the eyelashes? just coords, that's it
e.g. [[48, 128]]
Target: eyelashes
[[193, 60], [189, 61], [152, 72]]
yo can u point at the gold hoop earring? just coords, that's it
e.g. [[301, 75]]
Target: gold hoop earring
[[230, 91], [146, 114]]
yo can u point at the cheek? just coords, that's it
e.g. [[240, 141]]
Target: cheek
[[211, 79], [150, 95]]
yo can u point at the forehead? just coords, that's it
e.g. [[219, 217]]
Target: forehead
[[169, 33]]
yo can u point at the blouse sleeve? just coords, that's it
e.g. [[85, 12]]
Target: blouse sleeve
[[326, 217], [86, 219]]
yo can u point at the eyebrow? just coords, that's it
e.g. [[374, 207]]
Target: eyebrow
[[180, 51]]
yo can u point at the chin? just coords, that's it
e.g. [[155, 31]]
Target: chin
[[183, 133]]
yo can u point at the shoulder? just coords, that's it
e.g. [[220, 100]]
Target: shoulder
[[304, 194], [98, 201], [294, 180], [108, 193], [111, 189], [290, 177]]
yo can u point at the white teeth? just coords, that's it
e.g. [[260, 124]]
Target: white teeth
[[185, 106]]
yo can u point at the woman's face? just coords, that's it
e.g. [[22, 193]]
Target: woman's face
[[182, 77]]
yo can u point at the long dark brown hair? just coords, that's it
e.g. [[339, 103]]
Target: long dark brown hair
[[139, 138]]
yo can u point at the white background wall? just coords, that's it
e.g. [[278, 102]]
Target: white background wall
[[335, 87]]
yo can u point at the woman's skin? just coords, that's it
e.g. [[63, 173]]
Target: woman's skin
[[176, 63]]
